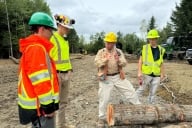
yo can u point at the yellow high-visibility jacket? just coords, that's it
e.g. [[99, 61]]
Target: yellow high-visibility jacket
[[150, 66], [60, 52]]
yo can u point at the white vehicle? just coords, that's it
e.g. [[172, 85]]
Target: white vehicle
[[188, 56]]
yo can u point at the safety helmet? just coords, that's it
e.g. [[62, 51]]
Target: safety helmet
[[64, 21], [110, 37], [41, 18], [152, 34]]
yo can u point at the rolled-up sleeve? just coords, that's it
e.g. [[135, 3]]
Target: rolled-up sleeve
[[100, 60]]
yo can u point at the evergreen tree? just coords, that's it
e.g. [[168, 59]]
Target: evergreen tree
[[18, 12], [151, 23], [73, 39], [96, 42], [121, 40], [165, 33], [182, 17]]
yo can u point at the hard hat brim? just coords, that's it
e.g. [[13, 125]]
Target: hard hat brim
[[152, 37], [66, 26], [110, 42], [54, 28]]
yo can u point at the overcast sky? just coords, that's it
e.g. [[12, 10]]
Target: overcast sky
[[94, 16]]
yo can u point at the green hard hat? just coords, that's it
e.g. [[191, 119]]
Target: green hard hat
[[41, 18]]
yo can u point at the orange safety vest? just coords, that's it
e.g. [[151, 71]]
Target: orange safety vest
[[38, 82]]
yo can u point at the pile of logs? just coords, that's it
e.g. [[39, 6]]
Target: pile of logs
[[125, 115]]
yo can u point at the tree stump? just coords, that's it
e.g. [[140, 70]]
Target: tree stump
[[122, 114]]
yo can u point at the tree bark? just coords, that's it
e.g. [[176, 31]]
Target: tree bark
[[122, 114]]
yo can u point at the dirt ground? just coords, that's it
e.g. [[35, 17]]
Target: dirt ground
[[82, 109]]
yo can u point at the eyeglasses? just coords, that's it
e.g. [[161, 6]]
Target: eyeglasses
[[49, 29]]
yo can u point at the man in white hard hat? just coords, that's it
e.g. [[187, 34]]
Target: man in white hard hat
[[60, 55]]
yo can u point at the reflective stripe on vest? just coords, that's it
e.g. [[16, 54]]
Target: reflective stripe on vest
[[59, 61], [27, 103], [48, 61], [62, 61], [39, 76], [150, 66], [146, 59], [56, 97], [58, 48], [60, 53], [46, 98], [20, 84]]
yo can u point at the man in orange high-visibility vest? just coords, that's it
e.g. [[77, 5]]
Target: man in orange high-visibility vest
[[38, 89]]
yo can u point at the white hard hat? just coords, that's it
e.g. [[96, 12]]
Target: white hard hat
[[64, 21]]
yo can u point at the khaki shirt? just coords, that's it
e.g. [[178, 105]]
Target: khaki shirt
[[112, 63]]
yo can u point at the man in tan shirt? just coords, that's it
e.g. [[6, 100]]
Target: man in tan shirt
[[110, 61]]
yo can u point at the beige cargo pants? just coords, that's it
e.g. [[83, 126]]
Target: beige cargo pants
[[64, 80], [106, 87]]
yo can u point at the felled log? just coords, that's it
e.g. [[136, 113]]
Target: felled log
[[16, 61], [162, 125], [76, 56], [122, 114]]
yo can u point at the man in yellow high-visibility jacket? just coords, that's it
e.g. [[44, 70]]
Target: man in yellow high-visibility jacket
[[151, 67], [60, 54]]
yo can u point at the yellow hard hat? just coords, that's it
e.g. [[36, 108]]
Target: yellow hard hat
[[110, 37], [152, 34]]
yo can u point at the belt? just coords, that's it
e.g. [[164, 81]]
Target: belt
[[62, 71], [113, 74], [153, 75]]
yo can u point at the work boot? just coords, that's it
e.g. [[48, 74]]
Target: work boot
[[101, 123]]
